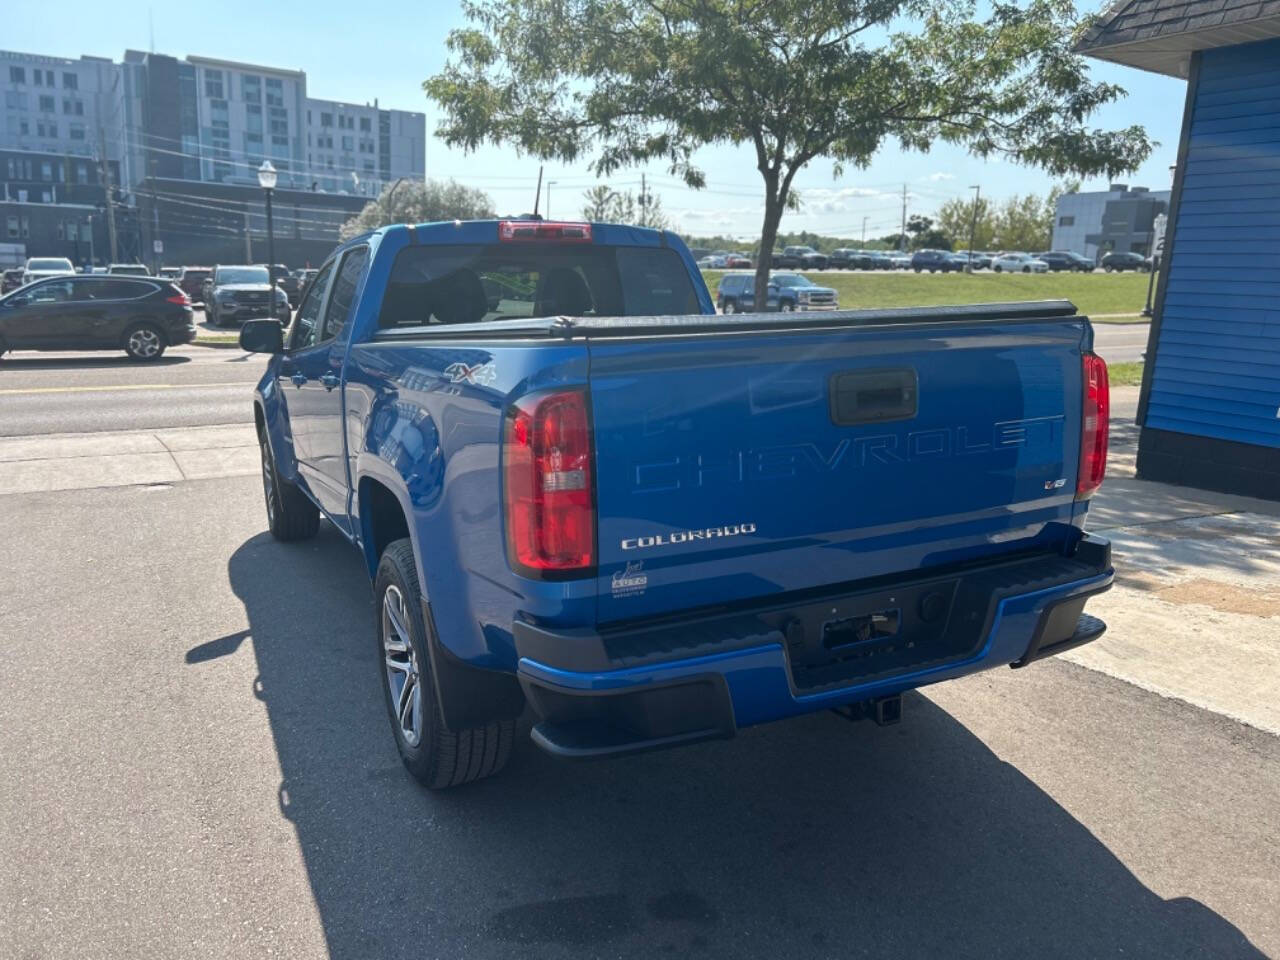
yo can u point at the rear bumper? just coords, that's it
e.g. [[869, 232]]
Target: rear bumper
[[627, 691]]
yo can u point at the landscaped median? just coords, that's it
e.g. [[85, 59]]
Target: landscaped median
[[1105, 297]]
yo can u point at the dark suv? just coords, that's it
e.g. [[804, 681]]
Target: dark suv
[[933, 261], [801, 258], [1065, 260], [287, 281], [141, 316], [237, 294], [192, 279], [1125, 261]]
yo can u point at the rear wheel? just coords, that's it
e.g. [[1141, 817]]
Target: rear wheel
[[436, 757], [1026, 269], [729, 307], [145, 342], [290, 515], [998, 269], [916, 269]]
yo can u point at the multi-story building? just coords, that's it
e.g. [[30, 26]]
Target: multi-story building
[[1120, 219], [182, 140], [58, 132]]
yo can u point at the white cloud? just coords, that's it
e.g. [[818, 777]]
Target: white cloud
[[936, 177]]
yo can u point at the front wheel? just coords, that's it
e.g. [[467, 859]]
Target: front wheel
[[145, 342], [436, 757], [916, 269], [1026, 269], [998, 269], [786, 306], [729, 307]]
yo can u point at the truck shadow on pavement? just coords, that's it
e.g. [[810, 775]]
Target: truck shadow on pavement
[[809, 838]]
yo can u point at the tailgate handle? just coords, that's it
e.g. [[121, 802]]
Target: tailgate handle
[[872, 396]]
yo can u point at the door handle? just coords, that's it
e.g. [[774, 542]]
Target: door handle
[[330, 380], [298, 378]]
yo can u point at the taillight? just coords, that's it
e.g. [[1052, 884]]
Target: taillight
[[179, 298], [1095, 423], [515, 231], [548, 486]]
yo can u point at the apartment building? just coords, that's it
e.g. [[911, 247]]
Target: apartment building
[[182, 140]]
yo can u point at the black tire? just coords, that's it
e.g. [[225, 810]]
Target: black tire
[[786, 306], [438, 759], [916, 269], [145, 341], [729, 307], [1026, 269], [998, 269], [290, 515]]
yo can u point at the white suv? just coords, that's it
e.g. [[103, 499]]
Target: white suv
[[38, 268]]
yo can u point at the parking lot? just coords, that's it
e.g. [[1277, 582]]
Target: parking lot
[[196, 761]]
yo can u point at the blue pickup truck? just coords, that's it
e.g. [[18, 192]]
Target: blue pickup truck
[[581, 493]]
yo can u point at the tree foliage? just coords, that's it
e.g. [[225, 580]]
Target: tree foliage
[[603, 204], [409, 201], [632, 81], [1019, 223]]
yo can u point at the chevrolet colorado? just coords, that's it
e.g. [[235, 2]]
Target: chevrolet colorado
[[577, 490]]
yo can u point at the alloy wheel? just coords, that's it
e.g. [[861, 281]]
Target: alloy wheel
[[144, 343], [404, 676]]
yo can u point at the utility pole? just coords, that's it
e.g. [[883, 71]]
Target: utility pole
[[155, 222], [104, 168], [973, 224], [903, 234], [644, 200], [248, 241], [864, 231]]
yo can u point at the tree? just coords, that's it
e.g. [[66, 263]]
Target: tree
[[642, 80], [603, 204], [970, 224], [408, 201], [924, 235]]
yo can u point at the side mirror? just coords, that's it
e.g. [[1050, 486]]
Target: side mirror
[[262, 336]]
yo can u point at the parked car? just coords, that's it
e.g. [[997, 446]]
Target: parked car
[[285, 279], [11, 279], [81, 312], [713, 262], [1125, 261], [900, 260], [305, 275], [801, 258], [1059, 260], [654, 527], [1018, 263], [846, 258], [171, 273], [128, 270], [38, 268], [878, 260], [738, 261], [192, 281], [240, 293], [974, 259], [736, 293], [935, 261]]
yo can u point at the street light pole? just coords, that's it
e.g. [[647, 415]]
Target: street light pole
[[267, 177], [973, 224]]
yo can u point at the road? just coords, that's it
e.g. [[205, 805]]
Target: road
[[74, 393]]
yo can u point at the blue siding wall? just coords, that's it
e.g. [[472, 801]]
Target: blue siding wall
[[1217, 365]]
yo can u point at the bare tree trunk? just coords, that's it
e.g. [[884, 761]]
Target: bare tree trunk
[[768, 234]]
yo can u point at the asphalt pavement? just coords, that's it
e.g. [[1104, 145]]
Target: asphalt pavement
[[196, 763]]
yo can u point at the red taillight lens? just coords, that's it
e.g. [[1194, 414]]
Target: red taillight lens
[[516, 231], [1095, 426], [548, 487], [179, 298]]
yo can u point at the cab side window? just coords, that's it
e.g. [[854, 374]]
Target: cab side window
[[306, 324], [344, 291]]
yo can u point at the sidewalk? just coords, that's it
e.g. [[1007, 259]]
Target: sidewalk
[[79, 461], [1195, 613]]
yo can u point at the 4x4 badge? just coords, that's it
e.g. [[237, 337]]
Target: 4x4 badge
[[482, 374]]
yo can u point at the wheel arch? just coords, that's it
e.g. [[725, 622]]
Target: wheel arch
[[384, 518]]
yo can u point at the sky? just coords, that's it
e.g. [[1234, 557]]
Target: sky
[[385, 51]]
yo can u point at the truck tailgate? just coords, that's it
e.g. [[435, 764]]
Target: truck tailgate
[[738, 466]]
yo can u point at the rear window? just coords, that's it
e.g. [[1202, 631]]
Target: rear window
[[242, 275], [474, 284]]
